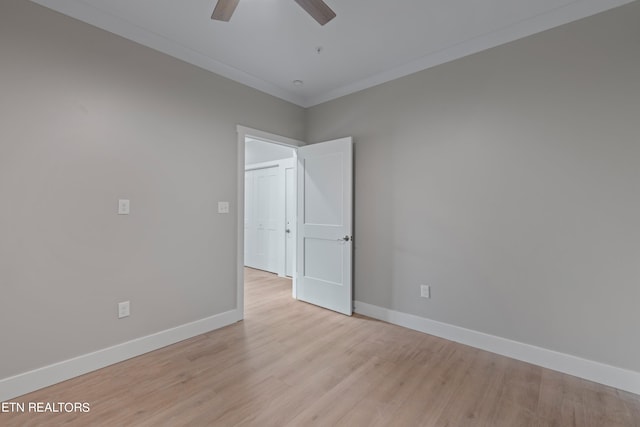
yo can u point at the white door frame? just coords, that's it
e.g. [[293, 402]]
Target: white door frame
[[244, 132]]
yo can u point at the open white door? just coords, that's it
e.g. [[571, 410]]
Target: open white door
[[325, 204]]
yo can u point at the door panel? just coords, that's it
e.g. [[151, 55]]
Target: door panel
[[261, 225], [324, 193], [324, 260], [249, 214], [267, 195], [324, 250]]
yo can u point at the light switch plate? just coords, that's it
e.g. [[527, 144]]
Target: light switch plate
[[223, 207], [123, 207], [124, 309], [425, 291]]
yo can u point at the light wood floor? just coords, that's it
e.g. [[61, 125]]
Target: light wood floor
[[292, 364]]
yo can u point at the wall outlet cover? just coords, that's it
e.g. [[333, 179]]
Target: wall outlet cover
[[123, 207], [124, 309], [223, 207], [425, 291]]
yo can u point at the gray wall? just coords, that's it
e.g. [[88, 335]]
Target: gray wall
[[86, 118], [507, 180], [510, 182]]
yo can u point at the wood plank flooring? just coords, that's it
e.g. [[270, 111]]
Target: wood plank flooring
[[292, 364]]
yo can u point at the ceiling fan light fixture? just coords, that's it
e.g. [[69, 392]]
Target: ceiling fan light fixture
[[224, 9], [318, 9]]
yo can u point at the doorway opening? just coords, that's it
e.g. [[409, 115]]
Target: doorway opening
[[320, 223], [267, 195], [269, 206]]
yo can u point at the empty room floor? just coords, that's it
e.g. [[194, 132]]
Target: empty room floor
[[293, 364]]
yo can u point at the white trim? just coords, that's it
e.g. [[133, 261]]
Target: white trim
[[263, 165], [36, 379], [554, 18], [247, 132], [98, 18], [619, 378], [242, 134], [573, 11]]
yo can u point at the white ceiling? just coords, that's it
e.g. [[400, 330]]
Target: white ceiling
[[270, 43]]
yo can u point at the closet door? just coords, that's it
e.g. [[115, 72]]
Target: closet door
[[261, 225], [266, 218], [249, 220]]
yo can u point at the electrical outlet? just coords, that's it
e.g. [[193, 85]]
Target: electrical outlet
[[123, 309], [223, 207], [123, 207], [425, 291]]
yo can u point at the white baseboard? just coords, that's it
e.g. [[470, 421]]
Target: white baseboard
[[27, 382], [619, 378]]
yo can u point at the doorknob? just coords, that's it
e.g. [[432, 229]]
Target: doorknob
[[287, 231], [345, 238]]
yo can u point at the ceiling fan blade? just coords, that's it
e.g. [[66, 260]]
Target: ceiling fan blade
[[224, 9], [318, 10]]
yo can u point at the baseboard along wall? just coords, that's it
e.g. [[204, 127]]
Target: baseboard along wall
[[619, 378], [36, 379]]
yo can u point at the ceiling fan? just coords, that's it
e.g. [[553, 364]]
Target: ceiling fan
[[318, 9]]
